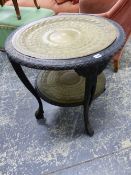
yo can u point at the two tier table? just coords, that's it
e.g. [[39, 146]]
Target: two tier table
[[71, 51]]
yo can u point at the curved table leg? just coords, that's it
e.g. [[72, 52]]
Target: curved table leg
[[90, 87], [19, 71]]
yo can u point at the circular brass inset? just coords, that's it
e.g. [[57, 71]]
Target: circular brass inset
[[65, 87], [65, 37]]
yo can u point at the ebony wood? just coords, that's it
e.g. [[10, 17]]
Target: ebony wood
[[19, 71], [90, 87]]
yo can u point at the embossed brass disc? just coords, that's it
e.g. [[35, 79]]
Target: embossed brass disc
[[65, 37], [65, 87]]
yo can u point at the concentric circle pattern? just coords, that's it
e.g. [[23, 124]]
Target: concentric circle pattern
[[65, 87], [64, 37]]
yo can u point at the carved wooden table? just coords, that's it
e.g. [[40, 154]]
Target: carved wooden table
[[83, 43]]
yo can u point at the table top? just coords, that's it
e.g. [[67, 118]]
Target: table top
[[65, 42]]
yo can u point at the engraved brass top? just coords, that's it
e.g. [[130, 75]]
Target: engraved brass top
[[65, 37]]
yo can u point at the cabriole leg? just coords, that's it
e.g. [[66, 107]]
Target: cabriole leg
[[19, 71], [90, 87]]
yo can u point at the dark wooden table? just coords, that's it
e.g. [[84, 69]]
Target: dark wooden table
[[88, 66]]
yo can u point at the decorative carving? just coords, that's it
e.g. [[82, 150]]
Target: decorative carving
[[65, 37]]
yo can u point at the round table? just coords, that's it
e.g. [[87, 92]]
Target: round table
[[24, 48]]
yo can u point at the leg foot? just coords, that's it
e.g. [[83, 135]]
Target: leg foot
[[89, 129], [39, 114]]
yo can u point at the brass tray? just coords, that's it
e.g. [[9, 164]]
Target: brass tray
[[64, 37]]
